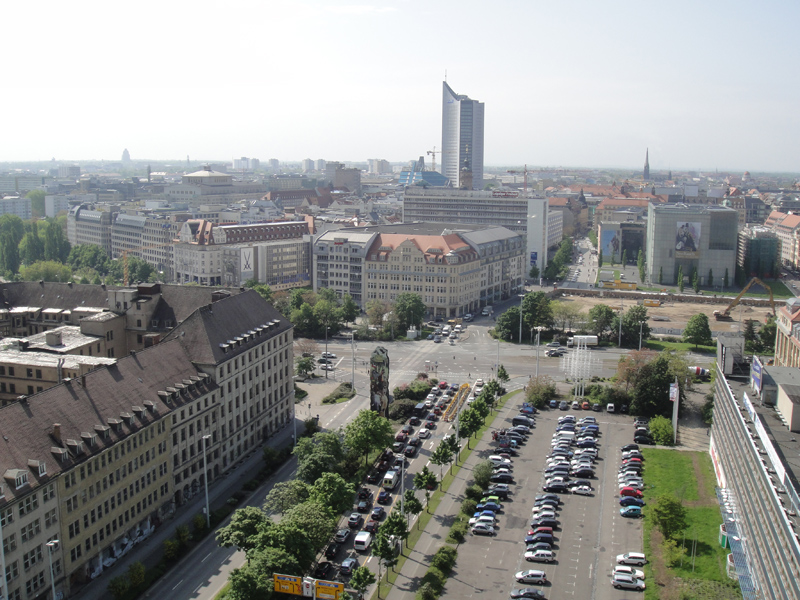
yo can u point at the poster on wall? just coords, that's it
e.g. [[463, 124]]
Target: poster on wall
[[610, 244], [687, 240], [379, 381]]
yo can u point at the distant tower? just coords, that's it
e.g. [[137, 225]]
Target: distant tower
[[149, 174], [126, 157], [462, 138], [646, 174]]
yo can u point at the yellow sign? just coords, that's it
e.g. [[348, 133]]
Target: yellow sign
[[329, 590], [288, 584]]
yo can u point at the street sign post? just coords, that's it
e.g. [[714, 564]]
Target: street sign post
[[288, 584], [329, 590]]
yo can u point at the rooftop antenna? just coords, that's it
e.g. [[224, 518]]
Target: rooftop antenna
[[445, 75]]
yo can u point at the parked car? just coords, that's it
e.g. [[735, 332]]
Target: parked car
[[582, 490], [483, 529], [627, 582], [631, 501], [341, 536], [540, 556], [348, 565], [630, 571], [531, 576], [629, 491], [355, 520], [527, 593], [630, 511], [631, 558]]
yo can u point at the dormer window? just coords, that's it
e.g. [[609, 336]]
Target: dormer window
[[21, 479], [42, 468]]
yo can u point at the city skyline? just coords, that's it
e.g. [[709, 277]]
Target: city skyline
[[578, 85]]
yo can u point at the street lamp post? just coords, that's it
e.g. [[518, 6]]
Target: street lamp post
[[521, 297], [51, 545], [205, 477], [353, 348], [621, 309], [538, 335], [326, 350]]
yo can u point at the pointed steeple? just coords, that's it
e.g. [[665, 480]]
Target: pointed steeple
[[646, 174]]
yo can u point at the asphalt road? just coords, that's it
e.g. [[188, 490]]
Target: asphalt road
[[591, 531]]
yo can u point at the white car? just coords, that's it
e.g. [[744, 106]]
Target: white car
[[544, 514], [328, 355], [631, 558], [553, 480], [499, 460], [424, 433], [637, 485], [582, 490], [623, 570], [498, 470], [626, 582], [540, 556], [531, 576], [482, 519], [483, 529], [479, 383]]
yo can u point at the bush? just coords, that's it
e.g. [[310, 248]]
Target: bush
[[400, 410], [119, 586], [458, 532], [182, 534], [474, 492], [444, 559], [540, 390], [426, 592], [199, 522], [661, 430], [482, 474], [469, 506], [344, 390], [708, 410], [171, 549], [299, 393], [136, 573], [436, 579]]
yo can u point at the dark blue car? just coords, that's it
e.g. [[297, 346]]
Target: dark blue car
[[489, 506], [631, 501]]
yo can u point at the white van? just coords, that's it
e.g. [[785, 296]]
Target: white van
[[446, 330], [390, 480], [362, 541]]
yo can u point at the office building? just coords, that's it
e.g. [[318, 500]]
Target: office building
[[455, 270], [87, 226], [528, 217], [758, 253], [17, 205], [462, 139], [69, 172], [696, 238], [787, 339]]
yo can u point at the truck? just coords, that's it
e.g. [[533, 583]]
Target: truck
[[588, 340], [390, 480]]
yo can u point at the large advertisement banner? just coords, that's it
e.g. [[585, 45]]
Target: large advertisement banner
[[610, 244], [379, 381], [687, 240]]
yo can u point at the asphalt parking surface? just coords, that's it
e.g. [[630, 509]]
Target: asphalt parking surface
[[591, 532]]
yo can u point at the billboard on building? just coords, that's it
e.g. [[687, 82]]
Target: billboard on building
[[246, 265], [610, 244], [687, 239], [755, 374], [379, 381]]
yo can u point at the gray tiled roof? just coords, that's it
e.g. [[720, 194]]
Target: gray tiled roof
[[80, 405], [53, 295], [203, 332]]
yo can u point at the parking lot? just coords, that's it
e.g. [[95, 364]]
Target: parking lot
[[591, 531]]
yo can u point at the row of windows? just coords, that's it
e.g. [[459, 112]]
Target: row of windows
[[28, 504]]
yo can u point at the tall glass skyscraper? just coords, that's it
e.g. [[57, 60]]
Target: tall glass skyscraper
[[462, 138]]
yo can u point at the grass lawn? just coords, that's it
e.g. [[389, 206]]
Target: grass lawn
[[659, 345], [689, 477]]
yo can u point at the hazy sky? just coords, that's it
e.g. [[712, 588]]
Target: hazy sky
[[565, 82]]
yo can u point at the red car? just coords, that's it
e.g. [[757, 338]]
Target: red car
[[629, 491], [538, 530], [401, 437], [442, 385]]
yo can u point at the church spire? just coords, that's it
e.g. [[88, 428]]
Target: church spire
[[646, 174]]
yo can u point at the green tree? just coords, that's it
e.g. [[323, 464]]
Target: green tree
[[601, 317], [425, 480], [410, 309], [376, 312], [395, 526], [593, 237], [540, 390], [333, 491], [680, 278], [361, 579], [254, 580], [696, 282], [315, 521], [264, 291], [349, 309], [507, 324], [56, 246], [12, 225], [710, 281], [634, 322], [470, 422], [46, 271], [697, 330], [37, 198], [725, 279], [536, 311], [367, 432], [669, 516], [292, 538], [565, 315], [119, 586], [305, 321], [89, 256], [452, 443], [440, 457], [305, 366], [768, 333], [31, 247], [651, 392], [600, 259], [660, 275], [640, 264], [534, 272], [9, 254], [662, 431], [411, 504], [482, 474], [630, 365], [243, 530], [479, 406], [328, 314], [136, 573], [384, 549], [502, 374], [171, 549]]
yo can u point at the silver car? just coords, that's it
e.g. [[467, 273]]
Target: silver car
[[626, 582]]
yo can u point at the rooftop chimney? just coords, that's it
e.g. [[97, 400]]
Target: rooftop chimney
[[57, 431]]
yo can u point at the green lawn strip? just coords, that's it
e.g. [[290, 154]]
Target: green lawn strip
[[616, 275], [425, 516], [659, 345], [669, 472]]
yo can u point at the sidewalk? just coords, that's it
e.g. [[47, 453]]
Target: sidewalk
[[433, 537]]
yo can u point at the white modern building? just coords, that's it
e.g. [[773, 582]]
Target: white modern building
[[462, 137]]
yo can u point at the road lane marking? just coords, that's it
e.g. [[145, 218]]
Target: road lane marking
[[207, 555], [177, 584]]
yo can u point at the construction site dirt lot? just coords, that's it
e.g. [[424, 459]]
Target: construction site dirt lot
[[678, 313]]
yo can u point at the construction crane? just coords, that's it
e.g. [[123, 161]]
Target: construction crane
[[434, 152], [525, 179], [725, 315], [125, 258]]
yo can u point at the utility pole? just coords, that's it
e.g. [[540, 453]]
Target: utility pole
[[621, 307]]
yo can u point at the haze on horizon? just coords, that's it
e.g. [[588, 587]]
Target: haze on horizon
[[703, 85]]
